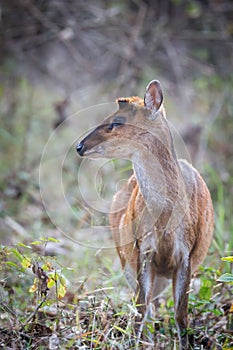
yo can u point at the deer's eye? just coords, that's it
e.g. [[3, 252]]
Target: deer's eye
[[117, 121]]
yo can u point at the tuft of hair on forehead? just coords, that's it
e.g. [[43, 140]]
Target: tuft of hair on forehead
[[127, 101]]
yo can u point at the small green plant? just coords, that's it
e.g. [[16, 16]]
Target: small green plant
[[227, 277], [46, 272], [31, 284]]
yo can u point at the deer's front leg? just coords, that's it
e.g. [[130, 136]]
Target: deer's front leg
[[181, 282], [146, 278], [146, 274]]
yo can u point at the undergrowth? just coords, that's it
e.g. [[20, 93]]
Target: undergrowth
[[41, 308]]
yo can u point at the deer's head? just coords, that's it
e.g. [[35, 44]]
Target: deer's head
[[125, 131]]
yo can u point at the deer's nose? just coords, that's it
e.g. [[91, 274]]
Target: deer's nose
[[80, 148]]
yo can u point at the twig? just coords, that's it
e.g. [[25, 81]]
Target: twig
[[35, 11], [100, 290], [34, 312]]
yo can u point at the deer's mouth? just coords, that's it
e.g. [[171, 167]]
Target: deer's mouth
[[83, 151]]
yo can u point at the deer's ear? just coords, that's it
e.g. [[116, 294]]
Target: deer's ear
[[153, 97]]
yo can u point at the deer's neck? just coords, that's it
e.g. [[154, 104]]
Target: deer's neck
[[157, 171]]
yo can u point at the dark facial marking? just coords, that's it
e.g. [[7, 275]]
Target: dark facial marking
[[117, 121]]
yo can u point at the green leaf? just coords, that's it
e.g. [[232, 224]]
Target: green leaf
[[227, 258], [216, 312], [227, 277], [61, 290], [26, 263], [51, 239], [120, 329], [36, 242], [17, 254], [205, 292], [10, 263], [24, 245], [51, 282]]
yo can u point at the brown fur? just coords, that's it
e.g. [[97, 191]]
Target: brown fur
[[162, 219], [133, 99]]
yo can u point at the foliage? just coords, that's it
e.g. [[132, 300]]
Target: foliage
[[227, 277], [48, 313]]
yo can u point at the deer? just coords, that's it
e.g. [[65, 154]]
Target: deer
[[162, 219]]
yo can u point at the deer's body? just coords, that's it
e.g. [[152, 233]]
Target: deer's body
[[162, 219], [164, 243]]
